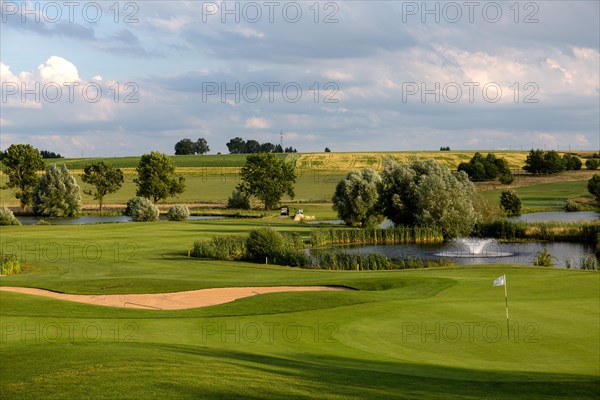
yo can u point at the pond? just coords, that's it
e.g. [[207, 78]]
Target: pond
[[98, 219], [558, 216], [493, 252]]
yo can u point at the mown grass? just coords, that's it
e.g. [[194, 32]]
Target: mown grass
[[396, 337]]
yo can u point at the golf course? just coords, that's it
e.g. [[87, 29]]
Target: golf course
[[127, 313]]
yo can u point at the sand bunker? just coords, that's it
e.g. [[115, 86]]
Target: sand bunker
[[170, 301]]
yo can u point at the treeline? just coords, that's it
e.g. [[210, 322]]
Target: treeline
[[43, 153], [238, 145]]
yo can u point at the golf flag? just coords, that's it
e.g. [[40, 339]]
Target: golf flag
[[500, 281]]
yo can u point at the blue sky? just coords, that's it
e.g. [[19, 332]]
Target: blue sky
[[124, 78]]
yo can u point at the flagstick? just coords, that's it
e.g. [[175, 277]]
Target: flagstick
[[506, 302]]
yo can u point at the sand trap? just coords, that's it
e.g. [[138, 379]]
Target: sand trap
[[170, 301]]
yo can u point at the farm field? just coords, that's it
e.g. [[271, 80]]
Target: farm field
[[413, 334], [210, 179]]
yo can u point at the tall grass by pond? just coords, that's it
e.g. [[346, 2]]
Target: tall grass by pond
[[394, 235], [587, 233]]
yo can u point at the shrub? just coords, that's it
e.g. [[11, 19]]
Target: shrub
[[178, 212], [142, 210], [223, 247], [592, 164], [544, 259], [571, 206], [57, 193], [9, 264], [238, 200], [7, 217], [510, 202], [262, 243], [507, 178], [594, 186], [588, 263]]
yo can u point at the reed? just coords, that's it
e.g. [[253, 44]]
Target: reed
[[376, 236]]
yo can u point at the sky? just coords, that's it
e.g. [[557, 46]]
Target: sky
[[116, 78]]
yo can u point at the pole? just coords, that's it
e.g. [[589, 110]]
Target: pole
[[506, 302]]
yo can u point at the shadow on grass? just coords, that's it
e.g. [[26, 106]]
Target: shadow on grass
[[117, 370]]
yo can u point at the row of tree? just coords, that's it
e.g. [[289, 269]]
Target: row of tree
[[542, 162], [238, 145], [186, 147], [56, 192], [43, 153]]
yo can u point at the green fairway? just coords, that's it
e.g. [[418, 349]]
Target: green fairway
[[413, 334], [545, 197]]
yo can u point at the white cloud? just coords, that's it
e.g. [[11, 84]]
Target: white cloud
[[58, 70], [257, 123]]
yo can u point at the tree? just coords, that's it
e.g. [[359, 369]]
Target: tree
[[236, 146], [488, 168], [267, 177], [290, 150], [510, 202], [49, 154], [356, 198], [57, 193], [278, 149], [267, 147], [201, 146], [426, 193], [327, 150], [542, 162], [571, 162], [252, 146], [157, 179], [184, 147], [22, 162], [104, 177], [594, 186], [592, 164]]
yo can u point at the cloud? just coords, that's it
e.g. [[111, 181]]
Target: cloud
[[58, 70], [257, 123]]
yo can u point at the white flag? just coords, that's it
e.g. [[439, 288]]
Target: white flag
[[500, 281]]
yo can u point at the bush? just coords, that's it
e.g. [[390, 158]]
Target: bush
[[507, 178], [510, 202], [592, 164], [7, 217], [238, 200], [142, 210], [57, 193], [594, 186], [544, 259], [262, 243], [571, 206], [178, 212], [9, 264], [229, 247]]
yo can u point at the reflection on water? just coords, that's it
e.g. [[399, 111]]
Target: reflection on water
[[493, 253]]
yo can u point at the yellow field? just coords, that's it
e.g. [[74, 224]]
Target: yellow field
[[348, 161]]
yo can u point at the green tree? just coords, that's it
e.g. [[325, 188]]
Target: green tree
[[592, 164], [510, 202], [268, 178], [488, 168], [426, 193], [185, 147], [22, 162], [201, 146], [593, 186], [105, 178], [157, 179], [544, 162], [236, 145], [356, 198], [57, 193]]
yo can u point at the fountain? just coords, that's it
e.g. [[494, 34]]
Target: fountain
[[473, 247]]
